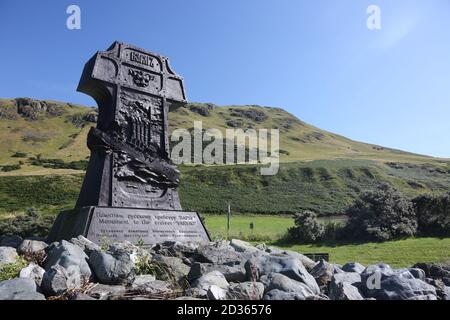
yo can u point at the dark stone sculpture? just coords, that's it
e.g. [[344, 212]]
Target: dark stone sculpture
[[129, 165]]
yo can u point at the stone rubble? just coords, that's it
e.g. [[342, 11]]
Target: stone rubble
[[223, 270]]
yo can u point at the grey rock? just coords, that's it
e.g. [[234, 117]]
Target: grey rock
[[86, 245], [212, 278], [383, 283], [216, 293], [242, 246], [290, 267], [219, 253], [141, 280], [346, 277], [174, 266], [446, 293], [417, 273], [423, 297], [19, 289], [10, 241], [282, 295], [34, 272], [307, 262], [187, 298], [112, 267], [323, 272], [8, 255], [105, 292], [277, 281], [81, 297], [344, 291], [177, 249], [353, 267], [434, 270], [245, 291], [68, 256], [31, 246], [231, 273], [58, 279], [156, 287]]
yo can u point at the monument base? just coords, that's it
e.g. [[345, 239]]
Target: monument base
[[146, 226]]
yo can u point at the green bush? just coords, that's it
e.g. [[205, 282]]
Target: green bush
[[433, 215], [380, 215], [307, 227], [12, 167], [31, 224]]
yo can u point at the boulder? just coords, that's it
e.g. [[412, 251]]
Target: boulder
[[19, 289], [86, 245], [68, 256], [344, 291], [79, 296], [307, 262], [105, 292], [216, 293], [245, 291], [282, 295], [10, 241], [231, 273], [206, 281], [174, 267], [277, 281], [242, 246], [434, 271], [33, 272], [322, 272], [219, 253], [353, 267], [446, 293], [346, 277], [290, 267], [176, 249], [417, 273], [8, 255], [31, 246], [113, 267], [57, 279], [384, 283], [155, 287]]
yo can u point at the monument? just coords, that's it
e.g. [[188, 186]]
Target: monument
[[129, 191]]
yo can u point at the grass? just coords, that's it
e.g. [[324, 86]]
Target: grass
[[398, 254]]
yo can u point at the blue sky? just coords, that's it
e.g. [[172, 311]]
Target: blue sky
[[316, 59]]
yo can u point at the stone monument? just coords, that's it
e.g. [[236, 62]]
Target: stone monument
[[129, 191]]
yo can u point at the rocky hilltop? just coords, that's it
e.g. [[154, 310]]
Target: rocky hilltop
[[225, 270]]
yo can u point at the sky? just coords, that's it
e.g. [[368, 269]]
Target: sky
[[316, 59]]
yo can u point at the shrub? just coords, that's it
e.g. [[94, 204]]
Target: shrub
[[380, 215], [433, 215], [307, 227], [333, 231], [32, 224], [12, 167]]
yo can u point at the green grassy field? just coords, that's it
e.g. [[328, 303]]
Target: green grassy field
[[399, 253]]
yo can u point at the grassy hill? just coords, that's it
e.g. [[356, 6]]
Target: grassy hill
[[320, 170]]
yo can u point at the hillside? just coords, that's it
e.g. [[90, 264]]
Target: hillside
[[43, 152]]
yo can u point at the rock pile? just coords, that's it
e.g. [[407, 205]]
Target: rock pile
[[234, 270]]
